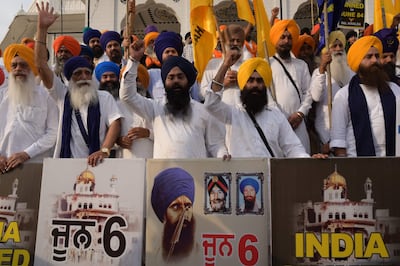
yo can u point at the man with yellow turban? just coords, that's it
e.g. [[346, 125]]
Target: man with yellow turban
[[291, 78], [340, 76], [29, 116], [364, 111], [274, 136]]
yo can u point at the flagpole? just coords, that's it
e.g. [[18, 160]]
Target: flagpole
[[273, 92], [328, 67], [312, 13], [383, 13]]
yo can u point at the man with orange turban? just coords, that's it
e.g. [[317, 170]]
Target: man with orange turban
[[304, 50], [29, 116], [364, 111], [243, 138], [291, 78], [64, 48]]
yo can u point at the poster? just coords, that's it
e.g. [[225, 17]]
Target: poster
[[353, 14], [336, 211], [197, 213], [19, 204], [91, 215]]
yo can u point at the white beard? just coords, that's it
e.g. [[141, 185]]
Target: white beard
[[340, 70], [20, 91], [82, 93]]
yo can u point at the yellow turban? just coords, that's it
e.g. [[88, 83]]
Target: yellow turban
[[360, 48], [22, 51], [150, 36], [336, 35], [280, 27], [254, 64], [143, 76], [305, 38]]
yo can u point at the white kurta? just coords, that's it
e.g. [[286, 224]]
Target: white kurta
[[32, 129], [109, 112], [342, 134], [286, 95], [244, 140], [196, 137]]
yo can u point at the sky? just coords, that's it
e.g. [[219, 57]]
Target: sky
[[8, 11]]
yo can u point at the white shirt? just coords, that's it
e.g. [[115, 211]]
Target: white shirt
[[197, 137], [342, 134], [109, 112], [243, 139], [32, 129]]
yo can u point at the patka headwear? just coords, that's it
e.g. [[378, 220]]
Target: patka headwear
[[305, 38], [69, 42], [73, 64], [218, 181], [254, 64], [22, 51], [143, 76], [359, 49], [249, 182], [170, 184], [280, 27], [106, 66], [389, 40], [336, 35], [150, 36], [165, 40], [89, 34], [108, 36], [187, 68]]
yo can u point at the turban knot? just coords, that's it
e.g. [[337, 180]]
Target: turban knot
[[106, 66], [280, 27], [254, 64], [22, 51], [108, 36], [178, 61], [89, 34], [73, 64], [70, 43], [170, 184], [249, 182], [165, 40], [360, 48], [305, 38], [218, 181], [389, 40], [336, 35]]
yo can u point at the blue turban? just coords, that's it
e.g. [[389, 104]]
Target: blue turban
[[389, 40], [187, 68], [73, 64], [150, 28], [108, 36], [89, 34], [249, 182], [86, 50], [165, 40], [170, 184], [106, 66]]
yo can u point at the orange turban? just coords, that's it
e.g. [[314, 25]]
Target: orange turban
[[305, 38], [360, 48], [143, 76], [22, 51], [150, 36], [254, 64], [280, 27], [336, 35], [69, 42]]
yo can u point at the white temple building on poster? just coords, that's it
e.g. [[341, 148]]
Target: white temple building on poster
[[338, 214]]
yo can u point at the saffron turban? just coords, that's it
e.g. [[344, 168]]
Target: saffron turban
[[70, 43], [389, 40], [165, 40], [280, 27], [249, 182], [150, 36], [109, 36], [22, 51], [254, 64], [143, 76], [89, 34], [170, 184], [73, 64], [218, 181], [178, 61], [305, 38], [106, 66], [336, 35], [359, 49]]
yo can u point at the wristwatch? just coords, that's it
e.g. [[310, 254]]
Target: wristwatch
[[106, 151]]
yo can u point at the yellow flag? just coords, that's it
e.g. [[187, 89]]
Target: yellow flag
[[264, 43], [244, 11], [203, 30], [383, 9]]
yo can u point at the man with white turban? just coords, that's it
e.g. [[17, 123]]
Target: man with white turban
[[29, 116], [291, 78], [364, 111]]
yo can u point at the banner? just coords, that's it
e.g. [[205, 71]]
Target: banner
[[91, 215], [208, 212], [353, 14]]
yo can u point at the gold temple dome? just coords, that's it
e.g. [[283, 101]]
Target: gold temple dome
[[336, 179], [86, 176]]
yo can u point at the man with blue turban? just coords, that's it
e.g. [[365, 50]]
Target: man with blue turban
[[249, 187], [111, 43], [91, 37]]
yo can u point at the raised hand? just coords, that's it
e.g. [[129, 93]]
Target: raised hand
[[47, 16]]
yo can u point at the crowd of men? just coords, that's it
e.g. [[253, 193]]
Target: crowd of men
[[96, 103]]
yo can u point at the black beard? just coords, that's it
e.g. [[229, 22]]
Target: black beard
[[115, 56], [178, 100], [284, 51], [112, 87], [253, 99], [97, 51], [390, 70], [185, 243], [374, 76], [249, 204]]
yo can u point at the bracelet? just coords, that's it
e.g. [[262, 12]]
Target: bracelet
[[44, 43], [217, 83], [300, 115]]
